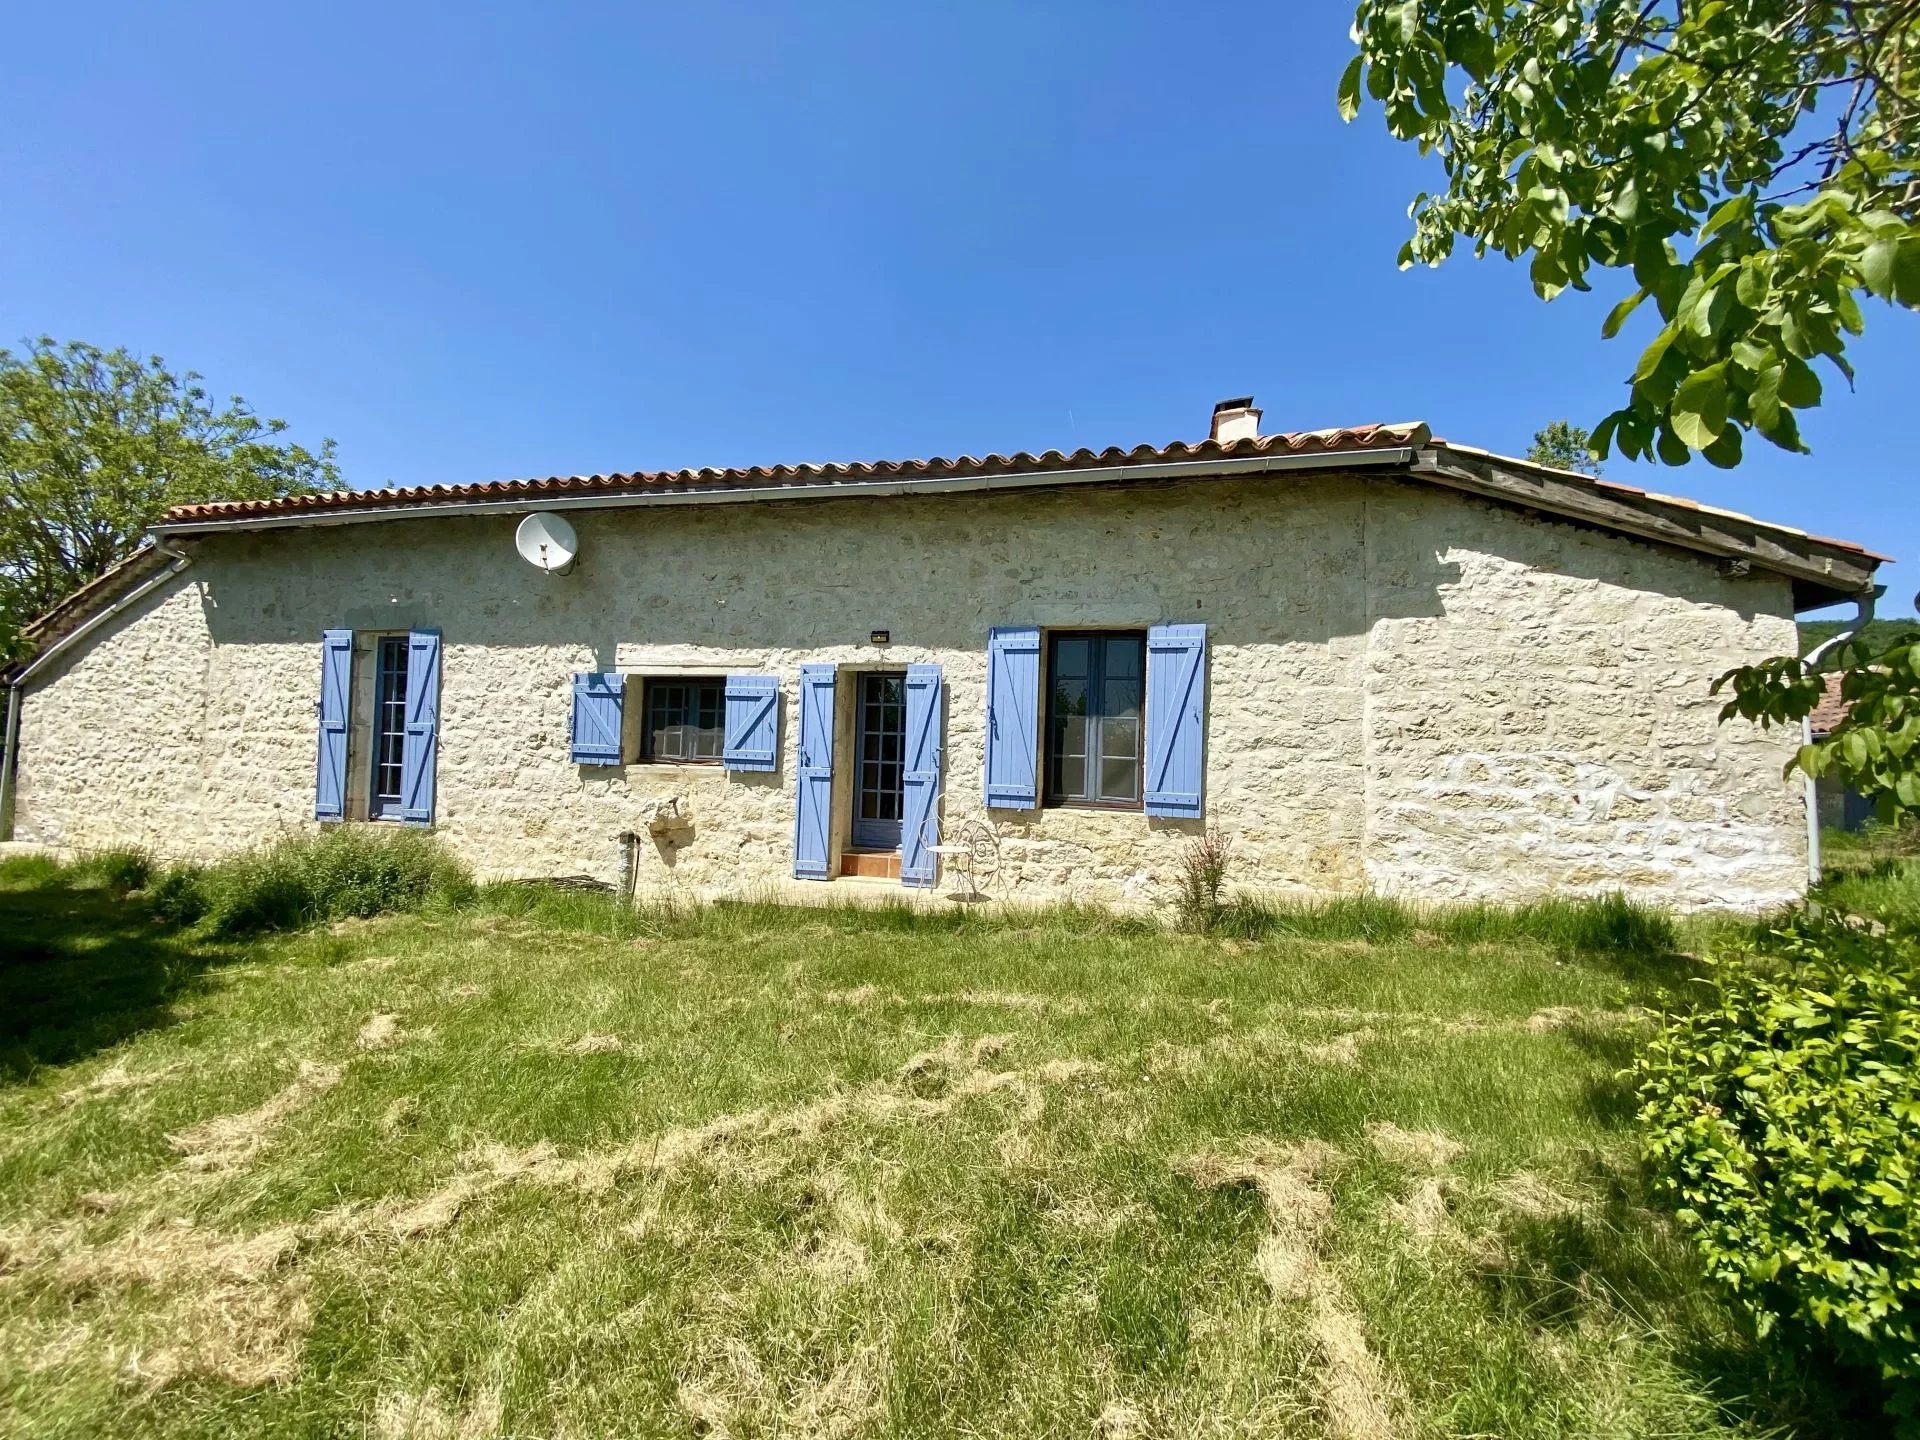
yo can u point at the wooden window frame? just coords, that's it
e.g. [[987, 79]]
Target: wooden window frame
[[647, 685], [1051, 797]]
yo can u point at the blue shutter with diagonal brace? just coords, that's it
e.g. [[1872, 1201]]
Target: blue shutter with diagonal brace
[[920, 780], [421, 745], [1013, 717], [753, 716], [1176, 720], [813, 775], [336, 673], [597, 699]]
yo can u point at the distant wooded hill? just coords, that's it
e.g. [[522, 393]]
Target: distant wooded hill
[[1880, 632]]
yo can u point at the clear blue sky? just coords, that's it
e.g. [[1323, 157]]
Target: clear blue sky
[[571, 239]]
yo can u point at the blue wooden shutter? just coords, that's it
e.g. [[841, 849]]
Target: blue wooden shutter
[[1013, 717], [597, 699], [753, 722], [813, 800], [1176, 720], [336, 675], [421, 747], [920, 804]]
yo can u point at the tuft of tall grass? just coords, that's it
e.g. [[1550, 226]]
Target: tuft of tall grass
[[1603, 924], [30, 872], [341, 872], [121, 870], [1888, 892], [601, 912], [1373, 918]]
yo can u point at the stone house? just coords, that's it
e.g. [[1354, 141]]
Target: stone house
[[1376, 659]]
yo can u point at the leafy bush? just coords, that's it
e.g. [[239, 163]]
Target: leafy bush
[[342, 871], [1780, 1118], [122, 870]]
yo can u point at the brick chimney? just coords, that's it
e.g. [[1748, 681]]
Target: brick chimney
[[1236, 420]]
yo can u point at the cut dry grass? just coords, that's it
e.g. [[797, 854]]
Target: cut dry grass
[[543, 1166]]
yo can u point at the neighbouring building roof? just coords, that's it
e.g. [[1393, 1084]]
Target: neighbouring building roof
[[1832, 709]]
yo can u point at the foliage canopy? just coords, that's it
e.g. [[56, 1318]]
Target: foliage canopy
[[95, 445], [1565, 446], [1755, 164]]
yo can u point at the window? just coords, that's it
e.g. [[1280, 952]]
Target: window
[[1095, 682], [684, 720], [389, 728]]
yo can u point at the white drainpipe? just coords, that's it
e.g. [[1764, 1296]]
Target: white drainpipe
[[16, 692], [1866, 603]]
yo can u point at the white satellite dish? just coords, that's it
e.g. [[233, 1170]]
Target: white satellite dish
[[547, 541]]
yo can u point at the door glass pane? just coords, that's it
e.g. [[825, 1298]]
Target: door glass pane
[[879, 767]]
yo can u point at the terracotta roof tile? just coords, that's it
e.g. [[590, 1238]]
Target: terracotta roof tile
[[1832, 709], [1304, 442]]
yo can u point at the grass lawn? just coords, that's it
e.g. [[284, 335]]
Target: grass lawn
[[537, 1168]]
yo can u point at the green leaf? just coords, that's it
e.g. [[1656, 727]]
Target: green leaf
[[1799, 386], [1906, 272], [1763, 402], [1876, 266], [1737, 210], [1651, 357], [1349, 97], [1699, 409], [1617, 316]]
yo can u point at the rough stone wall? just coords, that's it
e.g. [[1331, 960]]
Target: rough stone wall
[[1407, 689], [1553, 730]]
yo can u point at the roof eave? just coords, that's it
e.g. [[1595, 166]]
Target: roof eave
[[697, 494], [1823, 572]]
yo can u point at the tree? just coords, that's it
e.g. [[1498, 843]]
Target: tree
[[1875, 751], [1755, 165], [1565, 446], [1752, 163], [96, 445]]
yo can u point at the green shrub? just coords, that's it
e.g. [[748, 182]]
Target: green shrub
[[122, 870], [342, 871], [1782, 1119]]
